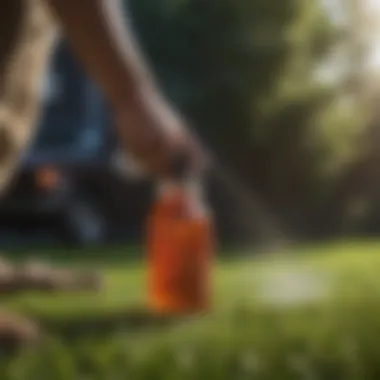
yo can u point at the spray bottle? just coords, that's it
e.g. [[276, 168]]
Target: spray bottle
[[180, 246]]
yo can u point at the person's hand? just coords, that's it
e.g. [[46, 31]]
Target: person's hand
[[151, 131]]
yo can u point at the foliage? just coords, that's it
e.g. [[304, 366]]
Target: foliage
[[246, 73]]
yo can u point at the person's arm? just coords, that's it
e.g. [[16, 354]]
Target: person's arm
[[102, 38], [104, 42]]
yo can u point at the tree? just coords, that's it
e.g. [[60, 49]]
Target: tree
[[245, 72]]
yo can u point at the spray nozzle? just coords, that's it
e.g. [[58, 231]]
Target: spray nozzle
[[180, 167]]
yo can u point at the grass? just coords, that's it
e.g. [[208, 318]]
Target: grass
[[347, 267], [310, 313]]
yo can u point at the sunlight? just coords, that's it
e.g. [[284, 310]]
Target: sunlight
[[373, 9], [338, 13], [290, 286], [374, 61]]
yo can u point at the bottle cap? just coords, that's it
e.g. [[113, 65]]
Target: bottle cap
[[180, 166]]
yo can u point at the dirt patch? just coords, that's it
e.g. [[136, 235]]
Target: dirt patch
[[42, 277], [39, 276]]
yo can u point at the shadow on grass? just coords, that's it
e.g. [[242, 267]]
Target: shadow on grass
[[135, 320], [108, 255]]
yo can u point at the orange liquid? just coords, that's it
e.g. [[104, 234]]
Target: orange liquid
[[180, 250]]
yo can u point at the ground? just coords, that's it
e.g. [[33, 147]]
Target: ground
[[309, 312], [301, 274]]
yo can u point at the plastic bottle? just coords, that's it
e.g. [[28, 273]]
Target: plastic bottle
[[180, 245]]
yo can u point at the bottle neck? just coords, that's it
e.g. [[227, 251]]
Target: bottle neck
[[193, 191], [192, 187]]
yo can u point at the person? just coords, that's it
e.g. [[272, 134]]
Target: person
[[147, 126]]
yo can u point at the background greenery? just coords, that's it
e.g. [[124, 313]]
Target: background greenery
[[277, 90]]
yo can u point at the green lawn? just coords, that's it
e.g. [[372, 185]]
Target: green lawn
[[308, 313], [346, 268]]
